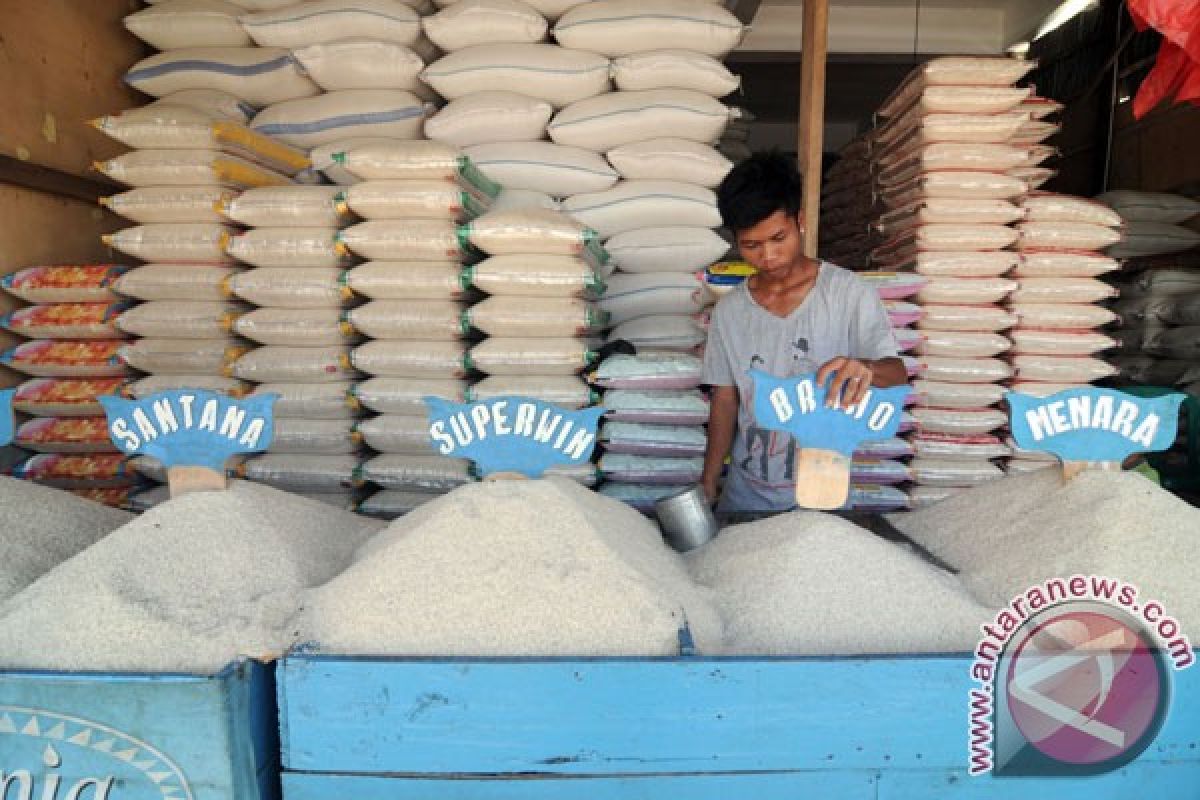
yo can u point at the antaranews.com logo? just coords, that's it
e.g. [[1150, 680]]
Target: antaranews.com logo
[[1074, 678]]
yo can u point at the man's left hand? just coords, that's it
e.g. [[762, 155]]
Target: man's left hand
[[848, 380]]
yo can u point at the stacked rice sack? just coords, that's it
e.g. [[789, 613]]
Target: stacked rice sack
[[848, 209], [414, 198], [1159, 309], [1058, 300], [951, 161], [71, 360], [653, 433]]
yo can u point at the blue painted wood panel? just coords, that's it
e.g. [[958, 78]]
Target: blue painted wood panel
[[636, 716], [1178, 780], [148, 737], [775, 786]]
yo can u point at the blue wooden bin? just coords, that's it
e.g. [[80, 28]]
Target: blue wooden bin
[[875, 728], [115, 736]]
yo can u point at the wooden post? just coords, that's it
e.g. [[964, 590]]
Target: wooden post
[[812, 114]]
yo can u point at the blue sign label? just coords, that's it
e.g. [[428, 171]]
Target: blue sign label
[[513, 434], [796, 405], [1093, 424], [193, 428], [6, 416]]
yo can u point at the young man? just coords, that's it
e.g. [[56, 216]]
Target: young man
[[796, 315]]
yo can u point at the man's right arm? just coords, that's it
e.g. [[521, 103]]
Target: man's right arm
[[722, 421]]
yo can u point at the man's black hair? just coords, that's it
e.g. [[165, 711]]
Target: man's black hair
[[758, 187]]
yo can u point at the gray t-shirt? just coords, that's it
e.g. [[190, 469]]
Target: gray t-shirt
[[841, 316]]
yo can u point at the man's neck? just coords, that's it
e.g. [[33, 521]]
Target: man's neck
[[801, 274]]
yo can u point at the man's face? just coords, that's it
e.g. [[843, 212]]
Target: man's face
[[773, 245]]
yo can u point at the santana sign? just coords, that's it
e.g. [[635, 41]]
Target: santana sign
[[512, 434], [1093, 424], [797, 406], [193, 428]]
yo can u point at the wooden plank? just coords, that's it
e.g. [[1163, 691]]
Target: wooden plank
[[1175, 779], [62, 64], [147, 736], [775, 786], [44, 179], [812, 114], [644, 716]]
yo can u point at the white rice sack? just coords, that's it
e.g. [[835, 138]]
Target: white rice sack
[[545, 71], [181, 128], [288, 247], [424, 473], [645, 204], [178, 242], [412, 359], [567, 391], [953, 472], [404, 240], [671, 160], [399, 434], [1061, 290], [954, 156], [316, 437], [171, 204], [362, 64], [1152, 239], [320, 21], [960, 448], [288, 206], [674, 69], [1058, 316], [498, 355], [405, 395], [1051, 207], [550, 9], [412, 200], [180, 319], [1161, 207], [303, 473], [183, 356], [488, 117], [433, 320], [956, 210], [632, 296], [327, 157], [766, 573], [282, 364], [963, 370], [218, 104], [258, 75], [962, 237], [954, 183], [958, 422], [407, 280], [1048, 264], [942, 394], [611, 120], [524, 200], [965, 291], [1061, 369], [966, 318], [536, 316], [1066, 236], [190, 168], [312, 400], [666, 249], [501, 233], [917, 127], [661, 331], [962, 344], [478, 22], [175, 282], [154, 384], [161, 612], [984, 264], [536, 276], [622, 27], [1059, 343], [350, 113], [297, 327], [555, 169], [389, 159]]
